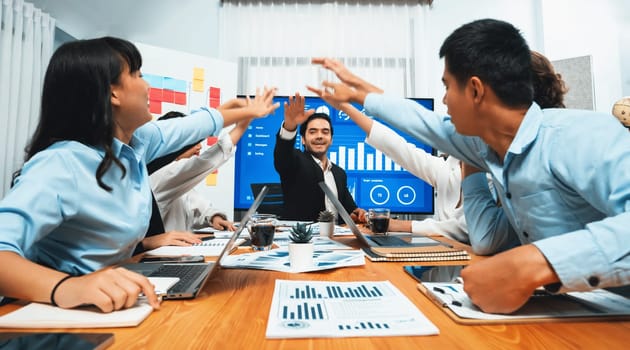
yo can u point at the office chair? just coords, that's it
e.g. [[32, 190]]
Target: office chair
[[273, 203]]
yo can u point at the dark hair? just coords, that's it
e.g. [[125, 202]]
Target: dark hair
[[159, 163], [495, 52], [549, 88], [76, 98], [324, 116], [171, 115]]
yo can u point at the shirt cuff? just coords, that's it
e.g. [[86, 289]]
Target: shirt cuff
[[226, 145], [593, 270], [286, 134]]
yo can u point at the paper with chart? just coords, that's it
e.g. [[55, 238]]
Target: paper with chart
[[211, 247], [278, 260], [308, 309]]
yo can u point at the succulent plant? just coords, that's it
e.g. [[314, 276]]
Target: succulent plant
[[326, 216], [301, 233]]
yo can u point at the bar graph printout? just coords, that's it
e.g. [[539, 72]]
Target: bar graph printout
[[310, 309]]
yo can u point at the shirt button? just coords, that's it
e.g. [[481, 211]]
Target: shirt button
[[525, 234], [508, 195], [593, 281]]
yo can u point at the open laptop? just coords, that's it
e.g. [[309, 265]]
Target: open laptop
[[192, 277], [370, 241]]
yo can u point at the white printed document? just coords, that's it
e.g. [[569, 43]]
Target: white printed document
[[212, 247], [278, 260], [310, 309]]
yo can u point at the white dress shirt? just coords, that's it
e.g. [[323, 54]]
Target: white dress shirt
[[181, 207]]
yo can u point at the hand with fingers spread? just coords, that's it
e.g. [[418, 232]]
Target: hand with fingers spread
[[177, 238], [109, 289], [260, 106], [347, 77], [294, 113], [335, 94]]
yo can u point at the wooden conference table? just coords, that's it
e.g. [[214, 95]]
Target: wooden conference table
[[232, 311]]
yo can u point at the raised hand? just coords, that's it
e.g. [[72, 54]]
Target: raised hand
[[262, 104], [334, 93], [294, 113], [338, 68], [109, 289], [347, 77]]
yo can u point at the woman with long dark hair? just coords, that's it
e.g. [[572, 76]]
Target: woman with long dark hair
[[82, 200]]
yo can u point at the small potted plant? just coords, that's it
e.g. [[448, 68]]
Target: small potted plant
[[301, 248], [326, 219]]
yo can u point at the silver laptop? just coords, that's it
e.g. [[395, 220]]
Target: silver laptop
[[192, 277], [370, 241]]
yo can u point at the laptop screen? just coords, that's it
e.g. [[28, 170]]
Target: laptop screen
[[343, 213]]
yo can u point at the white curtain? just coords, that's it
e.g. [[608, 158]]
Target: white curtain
[[26, 41], [273, 42]]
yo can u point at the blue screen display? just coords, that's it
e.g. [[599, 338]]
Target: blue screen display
[[374, 180]]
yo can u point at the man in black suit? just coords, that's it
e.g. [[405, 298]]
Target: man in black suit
[[300, 172]]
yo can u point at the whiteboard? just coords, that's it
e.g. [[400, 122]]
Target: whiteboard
[[156, 61]]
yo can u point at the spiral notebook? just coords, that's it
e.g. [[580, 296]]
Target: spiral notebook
[[453, 255]]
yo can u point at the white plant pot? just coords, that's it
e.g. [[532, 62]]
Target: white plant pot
[[326, 229], [301, 255]]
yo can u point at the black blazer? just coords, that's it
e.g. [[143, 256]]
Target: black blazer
[[299, 178]]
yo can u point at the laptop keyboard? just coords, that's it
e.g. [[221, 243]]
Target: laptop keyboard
[[187, 273], [388, 241]]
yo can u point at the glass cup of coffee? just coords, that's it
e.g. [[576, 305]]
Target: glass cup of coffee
[[261, 231], [378, 219]]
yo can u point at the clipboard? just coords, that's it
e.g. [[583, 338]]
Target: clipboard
[[598, 305]]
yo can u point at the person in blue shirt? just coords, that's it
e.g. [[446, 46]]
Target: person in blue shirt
[[81, 201], [561, 175], [485, 217]]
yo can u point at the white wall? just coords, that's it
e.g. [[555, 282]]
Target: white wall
[[578, 28]]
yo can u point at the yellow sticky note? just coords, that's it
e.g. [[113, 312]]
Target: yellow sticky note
[[197, 85], [211, 180], [198, 73]]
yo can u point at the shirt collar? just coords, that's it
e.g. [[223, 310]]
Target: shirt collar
[[319, 162], [527, 131], [136, 148]]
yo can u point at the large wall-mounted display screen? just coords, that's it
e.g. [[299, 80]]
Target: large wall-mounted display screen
[[374, 180]]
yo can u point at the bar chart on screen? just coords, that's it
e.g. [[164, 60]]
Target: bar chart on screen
[[343, 309]]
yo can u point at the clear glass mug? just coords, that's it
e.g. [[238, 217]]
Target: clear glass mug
[[378, 220], [262, 228]]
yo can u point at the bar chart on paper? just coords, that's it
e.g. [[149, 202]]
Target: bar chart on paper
[[343, 309]]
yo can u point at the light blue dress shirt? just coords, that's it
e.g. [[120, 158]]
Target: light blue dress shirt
[[58, 216], [564, 184]]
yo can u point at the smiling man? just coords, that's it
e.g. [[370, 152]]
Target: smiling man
[[300, 172]]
